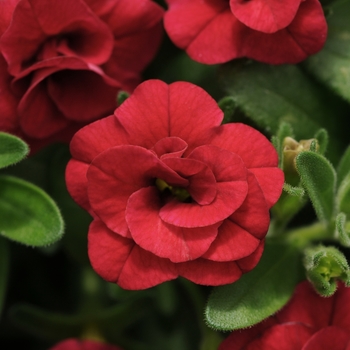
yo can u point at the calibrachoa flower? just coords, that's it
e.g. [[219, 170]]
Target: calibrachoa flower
[[275, 32], [63, 62], [75, 344], [307, 322], [171, 191]]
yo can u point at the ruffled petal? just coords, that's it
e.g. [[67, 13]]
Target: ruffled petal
[[230, 195], [328, 338], [164, 240], [211, 273], [117, 173], [157, 110], [232, 243], [266, 16], [248, 263], [253, 215], [341, 316]]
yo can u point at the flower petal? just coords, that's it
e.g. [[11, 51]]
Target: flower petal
[[107, 251], [341, 316], [248, 263], [156, 110], [164, 240], [271, 182], [170, 147], [266, 16], [290, 336], [232, 243], [328, 338], [230, 195], [110, 185], [253, 215], [118, 259], [211, 273]]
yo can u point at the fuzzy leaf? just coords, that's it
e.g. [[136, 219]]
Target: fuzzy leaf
[[258, 294], [344, 166], [322, 137], [12, 149], [28, 215], [270, 95], [318, 178], [332, 64], [340, 230]]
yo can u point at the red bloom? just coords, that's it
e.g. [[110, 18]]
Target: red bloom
[[171, 191], [307, 322], [75, 344], [273, 31], [63, 62]]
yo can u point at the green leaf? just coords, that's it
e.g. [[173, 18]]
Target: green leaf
[[4, 269], [340, 230], [332, 64], [322, 137], [259, 293], [12, 149], [29, 215], [294, 190], [344, 166], [270, 95], [228, 106], [343, 196], [318, 178]]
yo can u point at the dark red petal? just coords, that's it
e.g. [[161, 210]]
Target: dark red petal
[[271, 182], [248, 263], [144, 270], [232, 243], [184, 20], [82, 96], [202, 184], [266, 16], [157, 110], [225, 165], [107, 251], [97, 137], [6, 10], [36, 105], [341, 314], [307, 307], [290, 336], [117, 173], [76, 182], [170, 147], [211, 273], [230, 195], [328, 338], [305, 36], [164, 240], [77, 344], [84, 34], [253, 147], [253, 215]]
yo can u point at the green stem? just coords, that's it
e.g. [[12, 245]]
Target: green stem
[[303, 236]]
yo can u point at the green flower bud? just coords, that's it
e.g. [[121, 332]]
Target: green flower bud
[[324, 266]]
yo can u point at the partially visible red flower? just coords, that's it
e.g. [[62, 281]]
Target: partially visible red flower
[[63, 62], [76, 344], [307, 322], [273, 31], [172, 192]]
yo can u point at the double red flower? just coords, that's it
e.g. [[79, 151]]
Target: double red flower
[[307, 322], [171, 191], [63, 62], [270, 31]]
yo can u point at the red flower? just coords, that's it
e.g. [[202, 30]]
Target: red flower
[[75, 344], [171, 191], [63, 62], [274, 31], [307, 322]]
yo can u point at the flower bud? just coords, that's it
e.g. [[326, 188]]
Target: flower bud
[[324, 266], [291, 148]]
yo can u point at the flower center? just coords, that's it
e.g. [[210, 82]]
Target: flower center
[[179, 193]]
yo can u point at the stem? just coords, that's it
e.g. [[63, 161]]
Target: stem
[[302, 237]]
